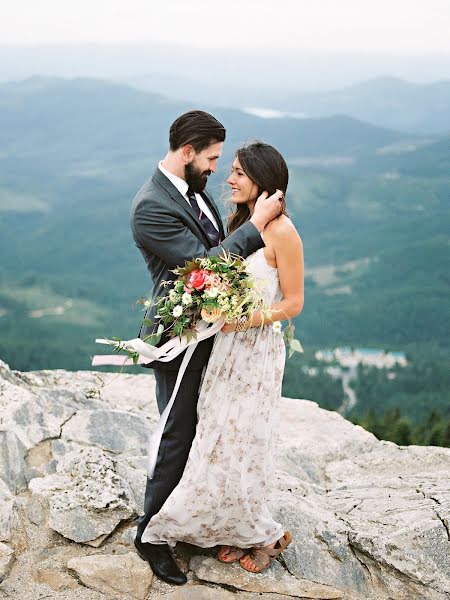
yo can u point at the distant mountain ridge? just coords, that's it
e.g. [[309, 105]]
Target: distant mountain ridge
[[209, 76], [82, 107], [385, 101]]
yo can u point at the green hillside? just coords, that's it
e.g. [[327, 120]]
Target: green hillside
[[74, 153]]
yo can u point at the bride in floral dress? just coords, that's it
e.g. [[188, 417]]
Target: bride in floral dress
[[222, 497]]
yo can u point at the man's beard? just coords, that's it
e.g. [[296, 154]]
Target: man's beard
[[196, 179]]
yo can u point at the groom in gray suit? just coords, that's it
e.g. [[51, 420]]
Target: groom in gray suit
[[174, 219]]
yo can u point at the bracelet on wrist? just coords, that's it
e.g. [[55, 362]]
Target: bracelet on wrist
[[241, 324]]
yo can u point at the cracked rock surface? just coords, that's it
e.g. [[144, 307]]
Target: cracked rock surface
[[370, 519]]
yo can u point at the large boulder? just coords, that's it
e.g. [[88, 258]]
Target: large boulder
[[114, 574], [86, 498]]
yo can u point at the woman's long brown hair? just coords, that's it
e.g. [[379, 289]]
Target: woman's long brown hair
[[265, 166]]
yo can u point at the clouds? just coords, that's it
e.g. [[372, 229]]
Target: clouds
[[385, 26]]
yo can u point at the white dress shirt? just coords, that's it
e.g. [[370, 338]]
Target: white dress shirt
[[183, 187]]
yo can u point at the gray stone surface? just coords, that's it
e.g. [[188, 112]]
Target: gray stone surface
[[33, 417], [201, 592], [7, 557], [55, 579], [312, 437], [114, 574], [26, 419], [395, 502], [275, 579], [117, 431], [133, 471], [370, 519], [320, 550], [8, 517], [6, 374], [86, 498], [12, 461]]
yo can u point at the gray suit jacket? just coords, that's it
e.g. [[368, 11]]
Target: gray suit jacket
[[168, 232]]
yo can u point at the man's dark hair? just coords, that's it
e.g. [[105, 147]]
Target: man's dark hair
[[198, 128]]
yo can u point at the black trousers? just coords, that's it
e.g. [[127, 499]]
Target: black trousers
[[176, 440]]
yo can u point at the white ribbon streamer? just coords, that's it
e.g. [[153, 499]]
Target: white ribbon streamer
[[156, 437], [166, 353]]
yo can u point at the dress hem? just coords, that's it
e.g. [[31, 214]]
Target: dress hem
[[223, 542]]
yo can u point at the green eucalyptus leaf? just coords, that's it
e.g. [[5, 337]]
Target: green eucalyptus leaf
[[295, 346], [152, 339]]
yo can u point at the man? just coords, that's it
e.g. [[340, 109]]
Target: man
[[174, 219]]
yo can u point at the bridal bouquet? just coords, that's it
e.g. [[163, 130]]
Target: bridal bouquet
[[206, 289]]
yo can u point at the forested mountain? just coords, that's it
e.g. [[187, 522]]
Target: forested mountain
[[371, 205], [75, 152]]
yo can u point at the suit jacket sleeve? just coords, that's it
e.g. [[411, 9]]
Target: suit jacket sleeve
[[164, 234]]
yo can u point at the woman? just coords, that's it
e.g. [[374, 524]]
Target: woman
[[222, 496]]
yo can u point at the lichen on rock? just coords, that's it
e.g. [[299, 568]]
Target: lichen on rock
[[86, 498]]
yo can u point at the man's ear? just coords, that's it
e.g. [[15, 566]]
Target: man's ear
[[187, 152]]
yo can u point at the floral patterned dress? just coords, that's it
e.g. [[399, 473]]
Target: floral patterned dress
[[223, 493]]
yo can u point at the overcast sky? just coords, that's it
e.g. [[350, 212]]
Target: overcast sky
[[418, 27]]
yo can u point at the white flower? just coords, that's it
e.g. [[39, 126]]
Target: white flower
[[177, 311], [212, 292], [147, 304], [173, 296], [186, 299], [160, 329], [277, 326], [224, 304]]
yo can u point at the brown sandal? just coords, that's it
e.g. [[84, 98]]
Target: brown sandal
[[263, 557], [226, 550]]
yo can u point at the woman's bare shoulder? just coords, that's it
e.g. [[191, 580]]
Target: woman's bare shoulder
[[281, 228]]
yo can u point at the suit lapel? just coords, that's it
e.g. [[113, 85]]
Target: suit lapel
[[215, 211], [184, 204], [160, 178]]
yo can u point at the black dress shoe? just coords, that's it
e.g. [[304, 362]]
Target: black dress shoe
[[160, 558]]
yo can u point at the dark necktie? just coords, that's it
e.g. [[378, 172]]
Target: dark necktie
[[212, 232]]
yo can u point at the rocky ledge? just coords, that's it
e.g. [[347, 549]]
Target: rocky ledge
[[370, 519]]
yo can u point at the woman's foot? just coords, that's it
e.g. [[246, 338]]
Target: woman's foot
[[249, 564], [259, 559], [230, 554]]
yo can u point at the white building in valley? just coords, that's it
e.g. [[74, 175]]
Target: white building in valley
[[374, 357]]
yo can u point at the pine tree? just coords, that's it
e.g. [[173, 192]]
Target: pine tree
[[401, 431]]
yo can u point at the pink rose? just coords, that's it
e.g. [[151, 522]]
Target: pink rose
[[197, 279]]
